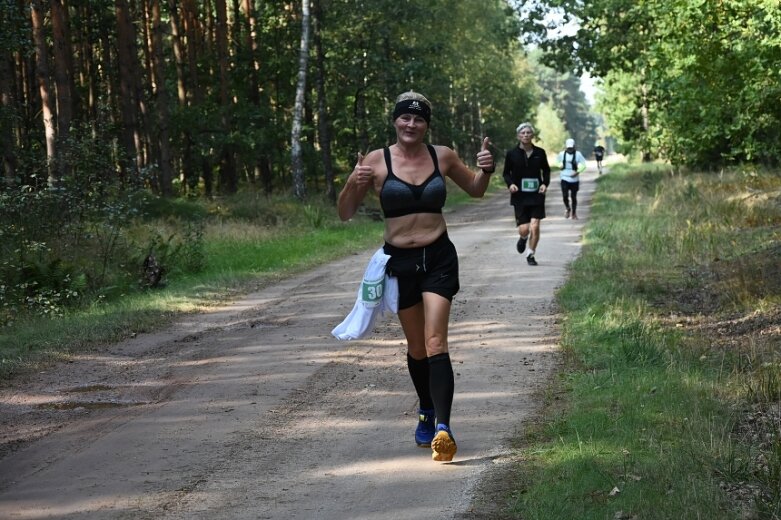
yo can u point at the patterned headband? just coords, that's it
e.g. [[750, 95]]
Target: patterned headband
[[412, 106]]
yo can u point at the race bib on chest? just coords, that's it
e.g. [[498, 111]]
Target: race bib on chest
[[530, 185], [371, 291]]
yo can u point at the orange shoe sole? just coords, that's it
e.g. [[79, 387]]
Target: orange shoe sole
[[443, 447]]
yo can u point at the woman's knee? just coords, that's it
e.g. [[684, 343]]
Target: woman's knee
[[435, 344], [417, 351]]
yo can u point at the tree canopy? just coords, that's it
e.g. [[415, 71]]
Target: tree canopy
[[693, 81], [111, 110], [189, 97]]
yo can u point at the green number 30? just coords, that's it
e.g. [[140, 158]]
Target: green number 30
[[372, 291]]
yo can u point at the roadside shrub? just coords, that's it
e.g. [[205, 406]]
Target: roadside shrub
[[57, 245], [178, 250]]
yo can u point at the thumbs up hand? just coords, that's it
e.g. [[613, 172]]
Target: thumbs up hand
[[485, 161], [362, 174]]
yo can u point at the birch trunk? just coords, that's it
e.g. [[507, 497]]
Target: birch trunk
[[44, 88], [299, 180]]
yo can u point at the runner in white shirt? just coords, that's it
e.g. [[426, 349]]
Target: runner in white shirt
[[572, 165]]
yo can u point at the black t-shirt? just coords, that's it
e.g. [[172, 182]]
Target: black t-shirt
[[599, 151], [517, 166]]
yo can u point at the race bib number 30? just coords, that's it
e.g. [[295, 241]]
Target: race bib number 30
[[530, 184], [371, 291]]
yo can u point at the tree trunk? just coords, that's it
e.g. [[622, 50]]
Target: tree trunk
[[106, 71], [89, 69], [146, 141], [176, 43], [228, 177], [128, 103], [29, 91], [646, 122], [250, 29], [7, 121], [42, 77], [266, 174], [452, 105], [253, 93], [234, 27], [323, 121], [63, 82], [187, 161], [359, 109], [162, 100], [194, 34], [190, 19], [73, 71], [299, 179]]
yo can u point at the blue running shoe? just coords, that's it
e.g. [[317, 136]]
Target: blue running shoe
[[424, 433], [443, 446]]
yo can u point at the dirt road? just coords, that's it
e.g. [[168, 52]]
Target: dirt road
[[255, 411]]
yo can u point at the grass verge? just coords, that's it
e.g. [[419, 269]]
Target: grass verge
[[670, 405], [239, 257], [247, 241]]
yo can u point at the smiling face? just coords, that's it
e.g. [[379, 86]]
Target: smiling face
[[410, 128]]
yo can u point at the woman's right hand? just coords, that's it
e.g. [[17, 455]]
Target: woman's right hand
[[513, 188], [361, 174], [358, 183]]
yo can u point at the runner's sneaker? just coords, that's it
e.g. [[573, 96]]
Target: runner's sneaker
[[521, 245], [424, 433], [530, 260], [443, 447], [566, 214]]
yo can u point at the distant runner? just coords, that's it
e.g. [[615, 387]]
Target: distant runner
[[572, 165], [527, 175], [599, 154]]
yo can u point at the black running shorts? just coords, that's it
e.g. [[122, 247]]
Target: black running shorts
[[432, 268], [524, 213]]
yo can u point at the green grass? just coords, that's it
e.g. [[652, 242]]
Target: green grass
[[234, 264], [248, 241], [655, 409]]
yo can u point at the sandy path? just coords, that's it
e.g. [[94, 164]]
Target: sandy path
[[255, 411]]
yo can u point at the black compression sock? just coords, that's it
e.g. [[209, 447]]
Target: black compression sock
[[419, 372], [442, 386]]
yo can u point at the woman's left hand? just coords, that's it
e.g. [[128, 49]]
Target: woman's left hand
[[485, 160]]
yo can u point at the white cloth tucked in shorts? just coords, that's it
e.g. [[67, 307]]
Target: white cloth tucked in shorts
[[377, 294]]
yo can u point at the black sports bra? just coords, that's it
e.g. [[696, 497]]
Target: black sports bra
[[399, 198]]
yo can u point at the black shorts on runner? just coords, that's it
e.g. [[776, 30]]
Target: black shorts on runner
[[525, 213], [432, 268]]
